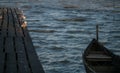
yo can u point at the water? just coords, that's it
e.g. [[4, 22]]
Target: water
[[61, 30]]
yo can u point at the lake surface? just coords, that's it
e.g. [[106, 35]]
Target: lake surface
[[61, 30]]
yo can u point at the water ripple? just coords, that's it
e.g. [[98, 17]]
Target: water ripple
[[61, 35]]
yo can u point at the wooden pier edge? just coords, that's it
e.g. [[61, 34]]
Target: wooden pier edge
[[17, 53]]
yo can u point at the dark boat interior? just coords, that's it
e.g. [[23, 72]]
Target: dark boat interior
[[99, 59]]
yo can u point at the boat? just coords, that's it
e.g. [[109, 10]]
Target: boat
[[98, 59]]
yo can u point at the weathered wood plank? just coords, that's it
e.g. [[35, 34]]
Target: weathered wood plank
[[0, 10], [1, 44], [98, 56], [2, 54], [9, 45], [22, 22], [1, 16], [5, 23], [18, 29], [17, 54], [11, 29], [2, 62], [11, 65], [32, 56], [23, 63], [1, 19]]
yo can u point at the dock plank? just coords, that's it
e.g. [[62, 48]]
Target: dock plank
[[21, 22], [1, 44], [23, 64], [2, 62], [18, 29], [17, 53], [11, 30], [1, 17], [32, 56], [11, 64], [5, 23]]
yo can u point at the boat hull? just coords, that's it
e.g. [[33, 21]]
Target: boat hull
[[98, 59]]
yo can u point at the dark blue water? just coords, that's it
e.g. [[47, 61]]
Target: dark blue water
[[61, 35], [61, 32]]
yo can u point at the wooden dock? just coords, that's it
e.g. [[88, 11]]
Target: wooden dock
[[17, 54]]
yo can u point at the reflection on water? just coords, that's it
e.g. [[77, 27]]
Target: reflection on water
[[61, 32]]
